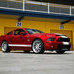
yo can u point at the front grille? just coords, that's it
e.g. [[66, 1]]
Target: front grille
[[63, 40], [64, 46]]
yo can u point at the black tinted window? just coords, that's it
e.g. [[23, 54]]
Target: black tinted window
[[33, 31], [17, 32], [9, 33]]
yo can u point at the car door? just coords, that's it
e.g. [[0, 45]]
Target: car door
[[19, 41]]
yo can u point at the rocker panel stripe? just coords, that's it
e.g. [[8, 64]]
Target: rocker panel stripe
[[19, 45]]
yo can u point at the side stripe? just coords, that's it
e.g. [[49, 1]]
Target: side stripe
[[19, 45]]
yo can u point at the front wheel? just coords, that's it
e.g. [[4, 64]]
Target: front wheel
[[60, 51], [5, 47], [38, 46]]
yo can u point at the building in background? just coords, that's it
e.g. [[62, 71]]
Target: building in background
[[65, 2], [44, 16]]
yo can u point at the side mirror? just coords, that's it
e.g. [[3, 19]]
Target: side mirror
[[22, 33]]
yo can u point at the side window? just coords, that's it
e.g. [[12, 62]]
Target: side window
[[17, 32], [9, 33]]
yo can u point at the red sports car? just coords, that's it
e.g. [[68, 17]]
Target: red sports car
[[31, 39]]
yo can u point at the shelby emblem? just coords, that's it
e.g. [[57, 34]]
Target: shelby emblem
[[18, 24]]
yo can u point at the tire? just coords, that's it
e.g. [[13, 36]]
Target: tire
[[60, 52], [5, 47], [26, 51], [38, 46]]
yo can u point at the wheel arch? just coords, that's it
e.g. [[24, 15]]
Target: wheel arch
[[36, 39], [3, 41]]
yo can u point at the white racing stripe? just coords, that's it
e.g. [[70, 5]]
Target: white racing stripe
[[65, 43], [19, 45], [64, 37]]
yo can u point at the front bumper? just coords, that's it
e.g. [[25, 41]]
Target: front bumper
[[64, 47], [57, 46]]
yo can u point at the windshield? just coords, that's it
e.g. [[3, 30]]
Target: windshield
[[33, 31]]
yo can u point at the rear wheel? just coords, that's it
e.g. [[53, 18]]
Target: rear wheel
[[38, 46], [60, 52], [5, 47]]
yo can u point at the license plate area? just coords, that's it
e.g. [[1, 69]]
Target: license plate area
[[65, 49]]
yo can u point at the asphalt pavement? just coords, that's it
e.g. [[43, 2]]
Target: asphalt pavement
[[18, 62]]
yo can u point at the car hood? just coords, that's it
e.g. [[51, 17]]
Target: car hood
[[44, 34], [49, 35]]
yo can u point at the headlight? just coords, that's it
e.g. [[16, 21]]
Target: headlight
[[50, 39]]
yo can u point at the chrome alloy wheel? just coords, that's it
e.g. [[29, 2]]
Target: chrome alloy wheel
[[4, 46], [36, 46]]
